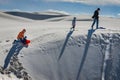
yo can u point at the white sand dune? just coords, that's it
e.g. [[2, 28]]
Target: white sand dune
[[82, 50], [50, 12]]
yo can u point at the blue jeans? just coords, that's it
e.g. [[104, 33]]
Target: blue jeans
[[96, 20], [17, 46]]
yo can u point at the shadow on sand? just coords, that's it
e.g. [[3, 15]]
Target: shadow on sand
[[15, 49], [65, 43], [90, 32]]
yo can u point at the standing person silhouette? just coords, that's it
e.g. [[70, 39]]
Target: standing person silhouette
[[96, 18], [73, 23]]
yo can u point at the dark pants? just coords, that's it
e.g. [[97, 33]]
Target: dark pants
[[96, 20], [23, 40]]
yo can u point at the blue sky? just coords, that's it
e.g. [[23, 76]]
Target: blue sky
[[108, 7]]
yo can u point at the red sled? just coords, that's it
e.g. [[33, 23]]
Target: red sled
[[28, 41]]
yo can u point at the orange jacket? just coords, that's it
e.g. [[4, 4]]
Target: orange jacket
[[20, 35]]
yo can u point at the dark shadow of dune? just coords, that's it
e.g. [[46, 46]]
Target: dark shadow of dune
[[65, 43], [90, 32], [55, 20], [82, 20], [34, 16]]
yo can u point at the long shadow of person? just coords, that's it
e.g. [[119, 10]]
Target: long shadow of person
[[16, 48], [65, 43], [90, 32]]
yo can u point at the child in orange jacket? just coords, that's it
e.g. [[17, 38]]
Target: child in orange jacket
[[21, 36]]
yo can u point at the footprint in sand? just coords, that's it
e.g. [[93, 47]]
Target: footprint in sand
[[7, 40]]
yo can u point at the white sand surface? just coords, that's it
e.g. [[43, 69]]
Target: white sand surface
[[48, 38]]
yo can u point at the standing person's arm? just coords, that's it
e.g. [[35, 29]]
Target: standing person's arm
[[93, 15]]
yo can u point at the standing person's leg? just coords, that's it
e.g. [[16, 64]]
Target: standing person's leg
[[97, 23], [93, 23], [10, 54], [73, 27]]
